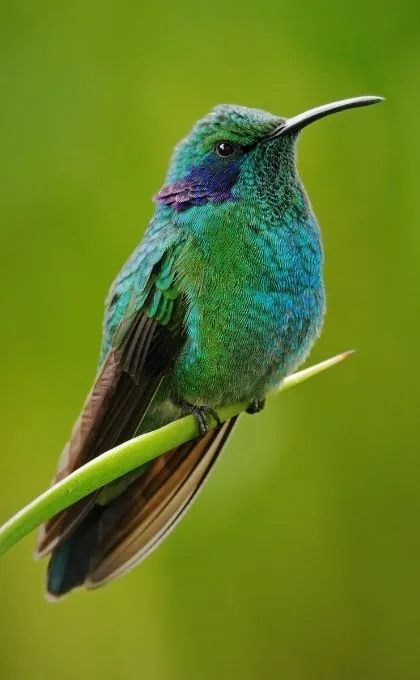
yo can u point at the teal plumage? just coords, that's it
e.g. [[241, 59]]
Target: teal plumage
[[221, 300]]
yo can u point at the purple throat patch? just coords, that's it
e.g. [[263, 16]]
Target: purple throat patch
[[204, 184]]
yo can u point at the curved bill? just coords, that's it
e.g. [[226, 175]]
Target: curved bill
[[303, 119]]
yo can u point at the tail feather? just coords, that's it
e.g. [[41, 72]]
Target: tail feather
[[69, 563], [97, 430], [112, 539]]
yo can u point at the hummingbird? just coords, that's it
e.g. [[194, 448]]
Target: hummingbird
[[222, 299]]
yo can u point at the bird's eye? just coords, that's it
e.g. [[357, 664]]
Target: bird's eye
[[225, 149]]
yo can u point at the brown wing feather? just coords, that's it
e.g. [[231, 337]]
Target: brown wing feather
[[135, 523], [113, 412]]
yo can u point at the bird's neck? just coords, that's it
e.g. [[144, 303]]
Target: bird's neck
[[252, 246]]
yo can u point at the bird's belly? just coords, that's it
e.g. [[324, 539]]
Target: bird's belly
[[239, 352]]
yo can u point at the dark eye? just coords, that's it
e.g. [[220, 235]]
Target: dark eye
[[225, 149]]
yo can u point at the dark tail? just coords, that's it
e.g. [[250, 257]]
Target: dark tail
[[112, 538], [69, 562]]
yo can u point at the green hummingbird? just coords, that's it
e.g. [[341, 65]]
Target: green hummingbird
[[222, 299]]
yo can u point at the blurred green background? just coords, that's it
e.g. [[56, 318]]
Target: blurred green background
[[300, 560]]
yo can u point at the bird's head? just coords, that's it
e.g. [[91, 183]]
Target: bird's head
[[238, 153]]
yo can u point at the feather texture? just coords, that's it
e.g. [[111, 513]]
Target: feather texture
[[112, 539], [119, 399]]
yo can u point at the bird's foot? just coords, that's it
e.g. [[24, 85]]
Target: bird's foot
[[256, 406], [200, 413]]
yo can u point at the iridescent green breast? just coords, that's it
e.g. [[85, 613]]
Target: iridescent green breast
[[255, 305]]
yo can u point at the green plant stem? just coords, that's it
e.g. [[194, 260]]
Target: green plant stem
[[124, 458]]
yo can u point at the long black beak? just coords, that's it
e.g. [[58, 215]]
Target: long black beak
[[303, 119]]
